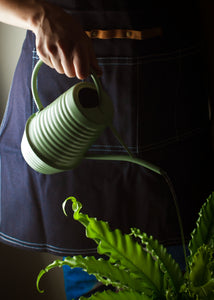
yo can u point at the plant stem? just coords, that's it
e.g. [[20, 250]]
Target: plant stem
[[172, 190]]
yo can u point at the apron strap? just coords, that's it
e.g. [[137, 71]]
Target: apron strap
[[125, 34]]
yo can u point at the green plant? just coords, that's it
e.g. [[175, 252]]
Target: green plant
[[139, 267]]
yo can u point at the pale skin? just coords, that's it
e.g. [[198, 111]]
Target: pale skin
[[60, 40]]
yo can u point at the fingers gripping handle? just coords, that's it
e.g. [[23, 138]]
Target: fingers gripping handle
[[35, 90]]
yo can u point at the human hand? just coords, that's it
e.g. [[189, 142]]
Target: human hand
[[62, 44]]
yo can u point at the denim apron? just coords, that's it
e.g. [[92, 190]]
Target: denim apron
[[158, 88]]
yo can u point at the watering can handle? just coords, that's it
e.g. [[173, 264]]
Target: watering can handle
[[34, 85], [35, 90]]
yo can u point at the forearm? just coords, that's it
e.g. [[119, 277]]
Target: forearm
[[25, 13], [60, 40]]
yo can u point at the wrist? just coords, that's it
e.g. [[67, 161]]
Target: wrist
[[43, 13], [36, 15]]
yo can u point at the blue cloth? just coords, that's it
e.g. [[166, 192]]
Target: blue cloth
[[77, 282], [178, 255]]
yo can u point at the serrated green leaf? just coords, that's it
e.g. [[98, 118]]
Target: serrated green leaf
[[204, 231], [123, 295], [103, 270], [167, 264], [107, 273], [145, 273], [200, 272], [200, 282], [121, 248], [203, 292]]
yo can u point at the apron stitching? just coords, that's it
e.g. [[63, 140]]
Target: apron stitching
[[113, 146], [43, 246], [177, 54], [152, 146], [134, 150]]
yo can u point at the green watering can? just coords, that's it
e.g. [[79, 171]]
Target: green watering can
[[57, 137]]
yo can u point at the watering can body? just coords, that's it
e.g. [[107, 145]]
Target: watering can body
[[57, 137]]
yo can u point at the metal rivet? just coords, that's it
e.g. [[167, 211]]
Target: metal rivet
[[94, 33], [128, 34]]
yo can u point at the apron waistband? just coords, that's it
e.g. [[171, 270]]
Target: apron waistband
[[125, 33]]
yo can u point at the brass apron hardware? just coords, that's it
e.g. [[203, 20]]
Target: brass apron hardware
[[125, 34]]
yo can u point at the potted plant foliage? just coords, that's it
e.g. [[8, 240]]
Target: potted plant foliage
[[140, 268]]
